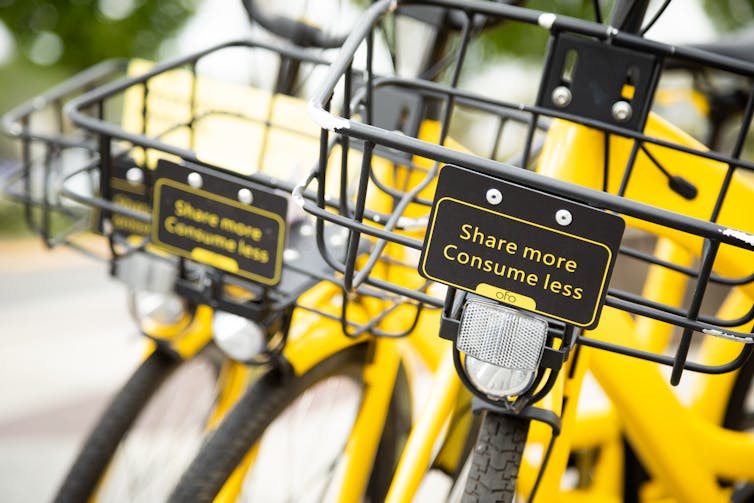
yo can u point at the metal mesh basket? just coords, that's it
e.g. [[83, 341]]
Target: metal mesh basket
[[588, 152], [49, 147], [195, 161]]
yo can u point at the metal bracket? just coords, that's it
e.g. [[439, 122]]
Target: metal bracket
[[595, 80], [531, 413]]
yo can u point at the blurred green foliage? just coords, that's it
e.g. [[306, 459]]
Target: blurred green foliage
[[75, 34], [525, 41], [729, 15], [54, 39]]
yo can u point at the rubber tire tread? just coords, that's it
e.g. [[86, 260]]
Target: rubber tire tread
[[496, 459], [118, 418], [739, 419], [226, 447], [735, 414]]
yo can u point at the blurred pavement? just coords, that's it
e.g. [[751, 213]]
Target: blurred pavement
[[66, 344]]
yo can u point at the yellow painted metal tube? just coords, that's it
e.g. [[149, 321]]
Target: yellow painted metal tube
[[379, 379], [727, 453], [665, 286], [231, 384], [712, 391], [417, 455], [188, 342], [569, 154], [313, 339], [234, 485], [565, 401], [653, 417]]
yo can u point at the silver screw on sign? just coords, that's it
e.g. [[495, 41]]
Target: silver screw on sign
[[135, 176], [563, 217], [245, 196], [622, 111], [195, 180], [494, 196], [561, 96]]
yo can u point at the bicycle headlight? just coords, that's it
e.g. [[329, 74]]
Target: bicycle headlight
[[239, 338], [502, 348], [152, 308]]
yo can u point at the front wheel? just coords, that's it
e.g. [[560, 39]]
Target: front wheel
[[496, 459], [149, 432], [299, 426]]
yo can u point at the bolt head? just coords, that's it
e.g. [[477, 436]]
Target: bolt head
[[135, 176], [561, 96], [563, 217], [245, 196], [195, 180], [494, 197], [622, 111]]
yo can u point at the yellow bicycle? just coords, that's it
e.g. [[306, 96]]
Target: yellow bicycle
[[130, 121], [527, 258]]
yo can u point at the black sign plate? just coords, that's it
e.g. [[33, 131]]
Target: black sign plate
[[520, 246], [130, 194], [205, 221]]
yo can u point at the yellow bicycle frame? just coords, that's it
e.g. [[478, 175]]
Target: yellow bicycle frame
[[683, 446]]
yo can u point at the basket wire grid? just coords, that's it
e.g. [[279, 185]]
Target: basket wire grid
[[49, 147], [241, 129], [639, 162]]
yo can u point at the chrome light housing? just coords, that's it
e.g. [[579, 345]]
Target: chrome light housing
[[165, 309], [238, 337], [502, 348]]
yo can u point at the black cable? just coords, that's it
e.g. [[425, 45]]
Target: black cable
[[654, 18]]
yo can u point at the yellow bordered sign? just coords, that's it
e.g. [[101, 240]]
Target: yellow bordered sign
[[128, 194], [204, 223], [520, 247]]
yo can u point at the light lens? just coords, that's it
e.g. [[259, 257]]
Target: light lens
[[238, 337], [502, 347], [497, 382], [160, 308]]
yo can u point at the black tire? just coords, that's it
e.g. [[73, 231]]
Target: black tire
[[268, 403], [739, 413], [739, 416], [145, 403], [496, 459]]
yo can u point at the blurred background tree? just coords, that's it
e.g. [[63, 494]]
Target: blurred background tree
[[43, 42], [74, 34], [726, 16], [729, 15], [46, 40]]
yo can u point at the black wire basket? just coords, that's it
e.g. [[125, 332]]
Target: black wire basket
[[195, 161], [460, 184], [49, 147]]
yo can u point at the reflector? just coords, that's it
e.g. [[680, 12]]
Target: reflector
[[502, 347]]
